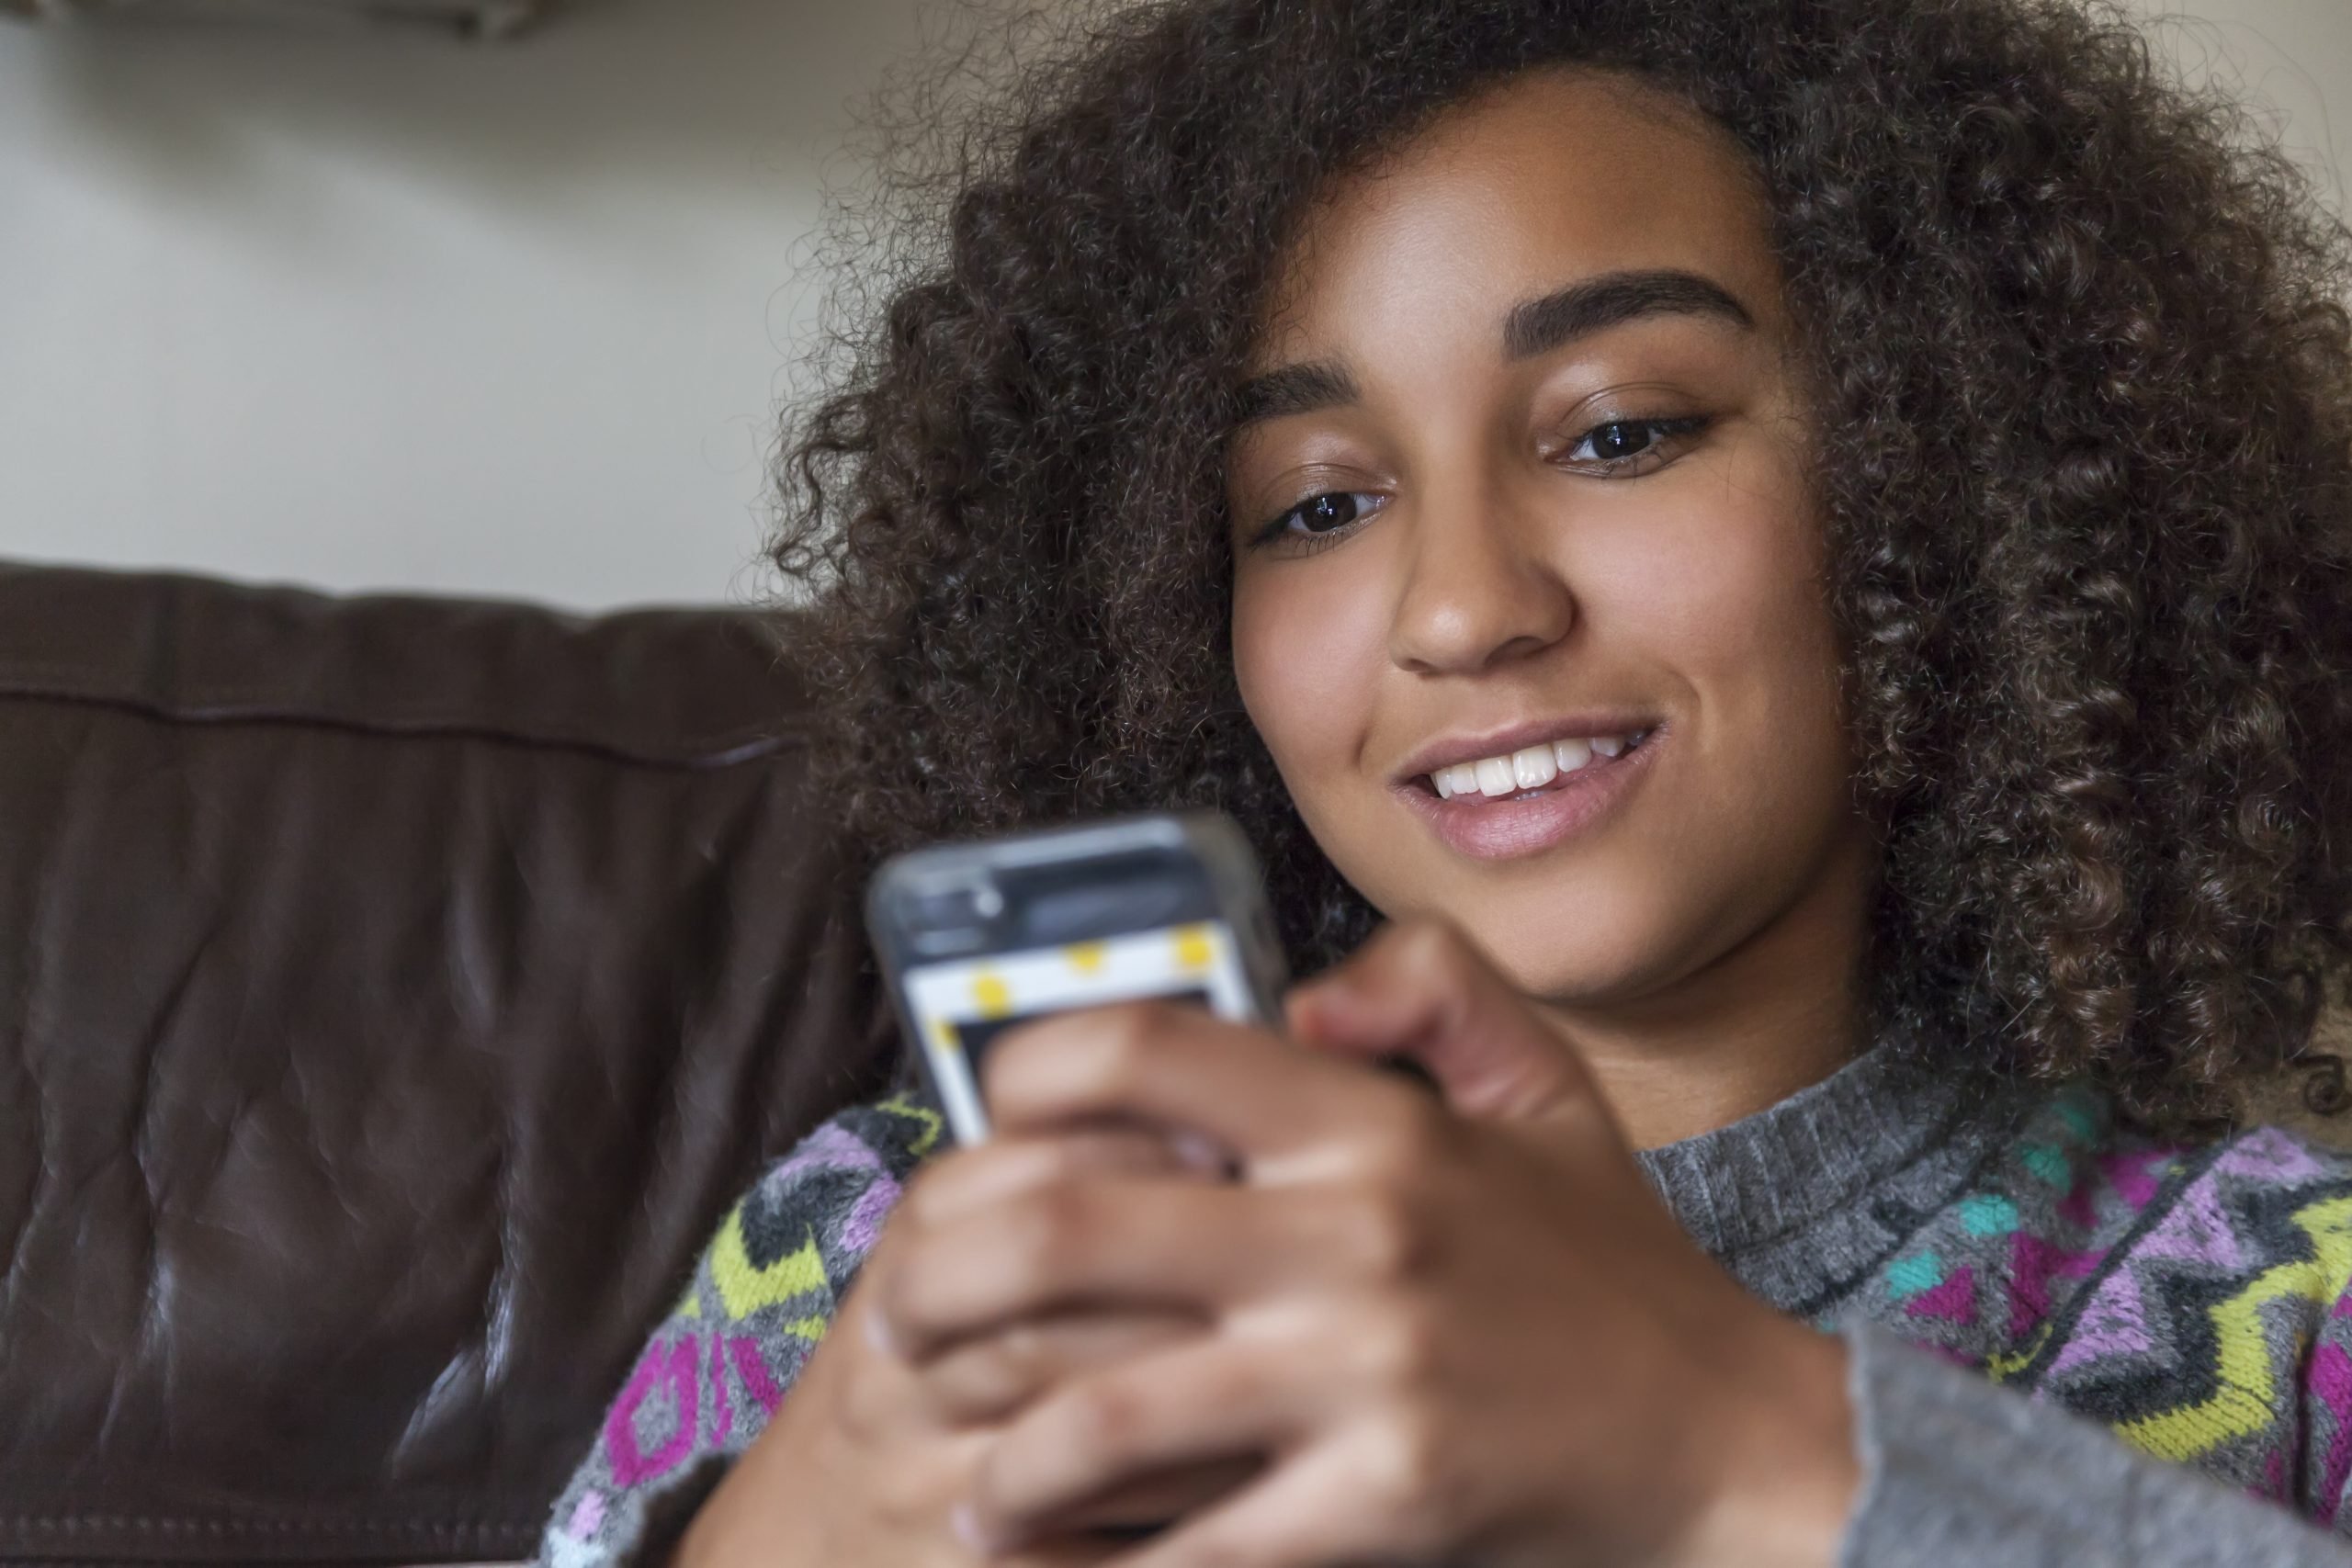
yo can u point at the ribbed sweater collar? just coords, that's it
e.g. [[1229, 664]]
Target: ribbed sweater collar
[[1769, 1176]]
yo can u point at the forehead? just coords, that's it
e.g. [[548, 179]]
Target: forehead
[[1548, 179]]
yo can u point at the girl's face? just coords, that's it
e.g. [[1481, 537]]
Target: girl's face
[[1528, 604]]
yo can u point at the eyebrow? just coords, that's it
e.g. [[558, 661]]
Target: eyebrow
[[1539, 326], [1534, 327], [1295, 388]]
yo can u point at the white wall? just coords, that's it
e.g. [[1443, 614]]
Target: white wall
[[368, 308], [2291, 60], [382, 311]]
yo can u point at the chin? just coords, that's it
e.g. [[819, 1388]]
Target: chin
[[1573, 973], [1576, 952]]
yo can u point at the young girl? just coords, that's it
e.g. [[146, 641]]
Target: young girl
[[1798, 553]]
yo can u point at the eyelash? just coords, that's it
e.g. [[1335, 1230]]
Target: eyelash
[[1276, 530]]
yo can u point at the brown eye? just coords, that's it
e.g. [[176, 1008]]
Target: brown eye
[[1325, 513], [1626, 447], [1621, 440]]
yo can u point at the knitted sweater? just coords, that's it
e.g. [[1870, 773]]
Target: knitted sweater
[[2070, 1344]]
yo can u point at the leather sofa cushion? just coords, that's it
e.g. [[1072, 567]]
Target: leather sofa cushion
[[392, 991]]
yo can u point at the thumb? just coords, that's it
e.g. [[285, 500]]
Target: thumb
[[1418, 989]]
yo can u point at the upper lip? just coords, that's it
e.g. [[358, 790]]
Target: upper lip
[[1451, 750]]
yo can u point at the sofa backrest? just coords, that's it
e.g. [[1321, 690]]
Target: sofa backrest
[[392, 991]]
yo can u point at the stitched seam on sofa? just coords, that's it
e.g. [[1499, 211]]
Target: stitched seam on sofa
[[732, 749], [259, 704]]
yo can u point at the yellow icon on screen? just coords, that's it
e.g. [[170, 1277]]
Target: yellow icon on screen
[[1085, 957], [1193, 951], [991, 995]]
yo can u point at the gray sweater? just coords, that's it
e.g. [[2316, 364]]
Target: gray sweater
[[2070, 1344]]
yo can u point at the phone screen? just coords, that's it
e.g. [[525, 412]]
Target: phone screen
[[959, 1007]]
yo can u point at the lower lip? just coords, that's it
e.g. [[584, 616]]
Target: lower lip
[[1507, 829]]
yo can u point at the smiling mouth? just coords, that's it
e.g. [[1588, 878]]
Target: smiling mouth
[[1529, 772]]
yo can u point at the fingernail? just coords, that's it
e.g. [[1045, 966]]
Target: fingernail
[[1307, 1009], [878, 1335], [964, 1520], [1196, 1151]]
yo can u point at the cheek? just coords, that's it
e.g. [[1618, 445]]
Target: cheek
[[1732, 597], [1308, 648], [1746, 611]]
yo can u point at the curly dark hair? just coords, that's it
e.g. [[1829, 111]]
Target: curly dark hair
[[2083, 376]]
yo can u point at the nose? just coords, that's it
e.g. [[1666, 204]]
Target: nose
[[1478, 588]]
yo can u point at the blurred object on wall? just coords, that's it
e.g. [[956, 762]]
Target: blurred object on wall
[[481, 19]]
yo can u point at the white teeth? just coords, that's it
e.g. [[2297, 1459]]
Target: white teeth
[[1533, 768]]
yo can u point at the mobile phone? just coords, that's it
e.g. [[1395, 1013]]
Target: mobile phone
[[975, 938]]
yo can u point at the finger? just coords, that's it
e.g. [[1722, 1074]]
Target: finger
[[1310, 1510], [1421, 990], [879, 1397], [969, 1178], [1158, 1498], [1179, 1246], [1201, 1403], [1171, 1064], [1065, 1552], [988, 1378]]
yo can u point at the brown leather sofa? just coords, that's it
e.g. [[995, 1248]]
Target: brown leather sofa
[[392, 993]]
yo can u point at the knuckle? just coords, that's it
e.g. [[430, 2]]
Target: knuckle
[[1406, 1461], [919, 1300], [1408, 1137], [868, 1401], [1073, 1058], [1095, 1152], [1003, 1069], [1066, 1160], [1403, 1347], [1020, 1352], [1048, 1231], [888, 1295], [1128, 1033], [978, 1384], [1224, 1548], [1104, 1417], [930, 1192], [904, 1496], [1387, 1237]]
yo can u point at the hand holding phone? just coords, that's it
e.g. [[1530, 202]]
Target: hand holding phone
[[870, 1457], [976, 937]]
